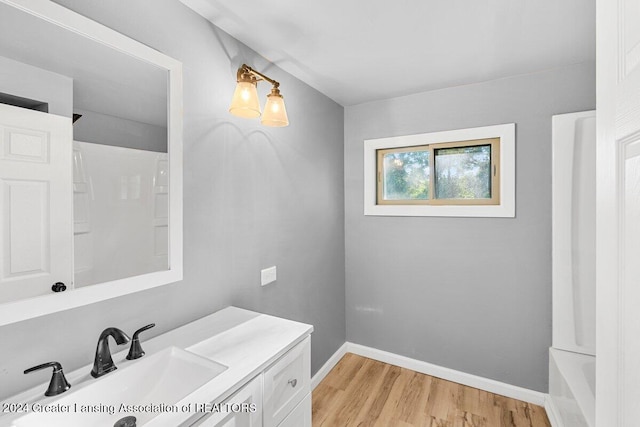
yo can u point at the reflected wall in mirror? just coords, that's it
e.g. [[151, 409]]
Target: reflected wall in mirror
[[120, 212], [90, 162]]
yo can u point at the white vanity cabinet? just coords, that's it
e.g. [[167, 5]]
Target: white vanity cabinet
[[238, 410], [280, 396], [263, 378], [286, 383], [300, 416]]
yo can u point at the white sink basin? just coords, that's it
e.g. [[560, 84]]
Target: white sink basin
[[159, 380]]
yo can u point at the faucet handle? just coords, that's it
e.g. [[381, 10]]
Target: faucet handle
[[58, 383], [135, 351]]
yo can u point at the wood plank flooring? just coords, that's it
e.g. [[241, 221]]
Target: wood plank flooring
[[364, 392]]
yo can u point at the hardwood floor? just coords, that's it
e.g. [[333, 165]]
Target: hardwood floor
[[364, 392]]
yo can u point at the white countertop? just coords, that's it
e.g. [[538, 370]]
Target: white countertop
[[245, 341]]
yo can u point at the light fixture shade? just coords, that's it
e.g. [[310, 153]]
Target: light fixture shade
[[275, 114], [245, 102]]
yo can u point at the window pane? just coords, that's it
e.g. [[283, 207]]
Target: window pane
[[463, 172], [406, 175]]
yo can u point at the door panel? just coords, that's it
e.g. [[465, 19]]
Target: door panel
[[27, 216], [618, 213], [630, 269]]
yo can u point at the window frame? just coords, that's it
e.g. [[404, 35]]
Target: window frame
[[502, 203]]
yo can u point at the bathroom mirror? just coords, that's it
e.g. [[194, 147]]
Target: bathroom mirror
[[90, 162]]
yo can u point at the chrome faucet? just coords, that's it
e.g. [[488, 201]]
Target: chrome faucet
[[103, 364]]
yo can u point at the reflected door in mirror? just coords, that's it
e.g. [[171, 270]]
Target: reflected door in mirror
[[35, 202], [127, 96]]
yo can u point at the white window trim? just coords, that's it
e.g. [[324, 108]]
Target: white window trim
[[507, 206]]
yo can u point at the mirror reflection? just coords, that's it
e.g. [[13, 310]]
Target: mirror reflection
[[87, 204]]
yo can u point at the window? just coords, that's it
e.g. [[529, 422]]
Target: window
[[468, 172], [461, 173]]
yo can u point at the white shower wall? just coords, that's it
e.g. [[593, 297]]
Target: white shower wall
[[572, 357], [574, 180], [120, 212]]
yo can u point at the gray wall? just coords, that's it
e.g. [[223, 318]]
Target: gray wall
[[471, 294], [26, 81], [254, 197], [56, 90], [110, 130]]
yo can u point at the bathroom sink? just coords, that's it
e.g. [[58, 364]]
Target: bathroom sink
[[144, 388]]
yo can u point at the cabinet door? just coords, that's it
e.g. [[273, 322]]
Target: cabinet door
[[243, 409], [300, 416], [286, 383]]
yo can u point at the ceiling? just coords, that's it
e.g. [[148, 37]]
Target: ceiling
[[360, 51]]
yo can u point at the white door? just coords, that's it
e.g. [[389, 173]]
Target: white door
[[618, 214], [36, 203]]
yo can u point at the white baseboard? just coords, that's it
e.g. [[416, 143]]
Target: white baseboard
[[552, 413], [470, 380], [328, 366]]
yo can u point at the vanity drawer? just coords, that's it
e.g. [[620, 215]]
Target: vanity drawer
[[300, 416], [286, 383], [244, 408]]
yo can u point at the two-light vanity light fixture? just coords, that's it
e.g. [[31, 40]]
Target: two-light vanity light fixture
[[245, 102]]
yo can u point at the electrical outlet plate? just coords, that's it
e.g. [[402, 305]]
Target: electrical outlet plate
[[268, 275]]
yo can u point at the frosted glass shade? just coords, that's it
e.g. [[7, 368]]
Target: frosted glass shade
[[245, 102], [275, 114]]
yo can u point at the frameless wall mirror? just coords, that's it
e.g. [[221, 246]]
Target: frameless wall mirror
[[90, 162]]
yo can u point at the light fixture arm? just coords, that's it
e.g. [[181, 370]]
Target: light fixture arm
[[245, 69]]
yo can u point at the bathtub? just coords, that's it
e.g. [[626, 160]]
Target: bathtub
[[572, 389]]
